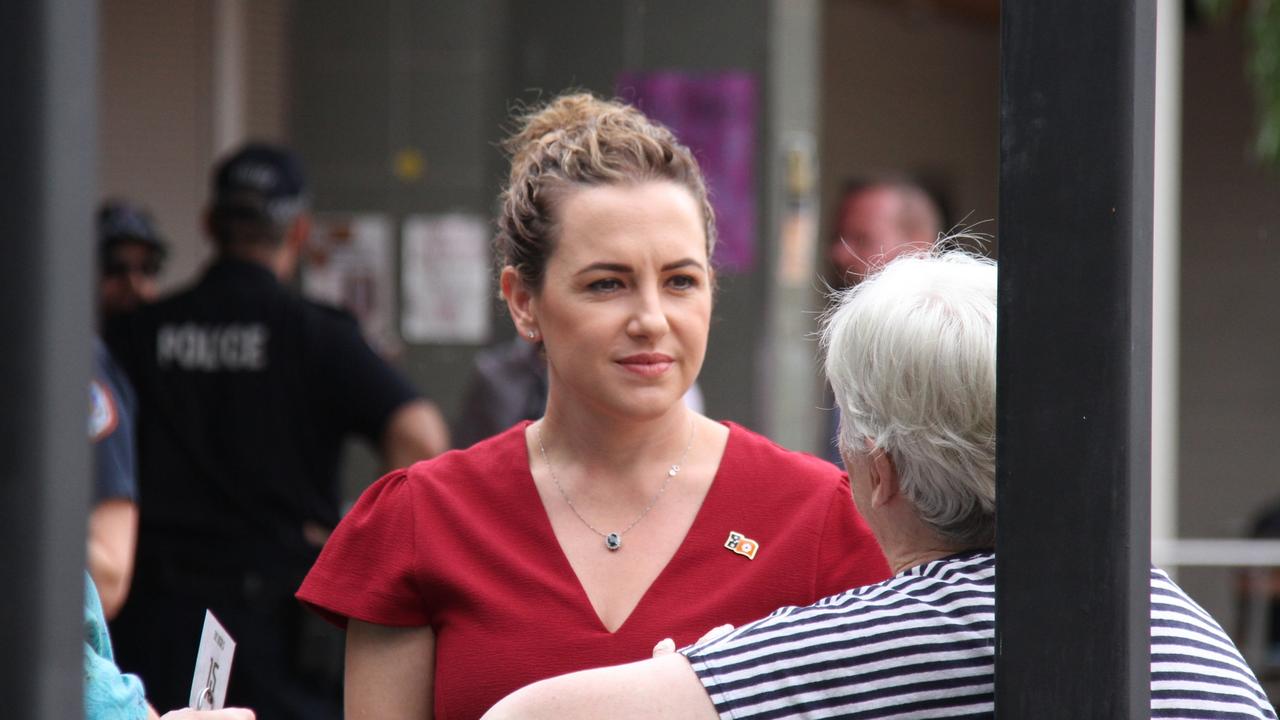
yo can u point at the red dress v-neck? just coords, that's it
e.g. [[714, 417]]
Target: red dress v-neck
[[462, 543]]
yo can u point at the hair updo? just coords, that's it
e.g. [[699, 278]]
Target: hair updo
[[579, 141]]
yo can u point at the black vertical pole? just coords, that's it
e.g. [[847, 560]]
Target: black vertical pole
[[1073, 552], [48, 68]]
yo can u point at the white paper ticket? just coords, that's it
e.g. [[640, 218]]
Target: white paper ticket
[[213, 666]]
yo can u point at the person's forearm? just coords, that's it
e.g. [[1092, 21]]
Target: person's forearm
[[113, 532], [416, 431], [663, 687], [110, 576], [188, 714]]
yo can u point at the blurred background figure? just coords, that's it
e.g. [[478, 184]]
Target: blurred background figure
[[1258, 602], [876, 220], [113, 520], [130, 256], [246, 392], [509, 384]]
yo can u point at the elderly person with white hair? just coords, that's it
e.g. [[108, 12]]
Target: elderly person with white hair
[[911, 355]]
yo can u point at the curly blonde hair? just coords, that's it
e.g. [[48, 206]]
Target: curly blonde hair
[[578, 141]]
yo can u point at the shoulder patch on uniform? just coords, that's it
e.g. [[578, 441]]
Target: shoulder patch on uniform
[[103, 415]]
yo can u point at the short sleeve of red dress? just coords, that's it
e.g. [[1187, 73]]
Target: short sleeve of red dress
[[368, 568], [848, 554]]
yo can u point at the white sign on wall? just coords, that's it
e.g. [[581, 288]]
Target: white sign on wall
[[445, 279], [347, 263]]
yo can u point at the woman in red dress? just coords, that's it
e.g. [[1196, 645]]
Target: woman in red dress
[[620, 517]]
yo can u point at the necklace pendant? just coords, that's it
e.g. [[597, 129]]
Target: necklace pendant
[[613, 541]]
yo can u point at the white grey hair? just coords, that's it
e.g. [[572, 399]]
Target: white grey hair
[[911, 356]]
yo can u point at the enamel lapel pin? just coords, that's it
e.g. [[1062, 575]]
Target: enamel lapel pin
[[742, 545]]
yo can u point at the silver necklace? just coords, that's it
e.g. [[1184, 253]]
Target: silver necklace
[[613, 540]]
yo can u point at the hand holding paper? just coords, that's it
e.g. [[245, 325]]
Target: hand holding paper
[[225, 714]]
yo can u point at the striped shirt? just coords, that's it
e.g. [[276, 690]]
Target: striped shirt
[[920, 645]]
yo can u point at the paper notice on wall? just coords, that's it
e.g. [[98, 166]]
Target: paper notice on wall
[[347, 263], [445, 279]]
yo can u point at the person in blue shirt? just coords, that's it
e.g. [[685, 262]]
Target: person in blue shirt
[[113, 520]]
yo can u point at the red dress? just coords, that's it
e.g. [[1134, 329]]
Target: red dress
[[462, 543]]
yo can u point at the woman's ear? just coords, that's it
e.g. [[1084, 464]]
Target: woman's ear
[[521, 302], [883, 473]]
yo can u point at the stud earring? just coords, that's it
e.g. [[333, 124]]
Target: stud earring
[[533, 334]]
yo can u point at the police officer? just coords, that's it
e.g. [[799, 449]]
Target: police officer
[[113, 520], [130, 256], [245, 394]]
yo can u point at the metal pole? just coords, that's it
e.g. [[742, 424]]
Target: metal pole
[[1073, 501], [48, 69]]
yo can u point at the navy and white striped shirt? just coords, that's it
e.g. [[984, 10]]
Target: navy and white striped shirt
[[920, 645]]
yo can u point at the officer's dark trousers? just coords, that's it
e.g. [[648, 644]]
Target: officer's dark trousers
[[287, 664]]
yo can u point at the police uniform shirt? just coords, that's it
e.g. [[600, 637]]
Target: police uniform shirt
[[245, 393], [111, 410]]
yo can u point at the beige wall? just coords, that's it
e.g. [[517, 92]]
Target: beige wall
[[1230, 384], [268, 68], [156, 107], [906, 89], [1230, 296], [154, 116]]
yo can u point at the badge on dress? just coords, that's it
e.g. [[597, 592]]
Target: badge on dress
[[742, 545]]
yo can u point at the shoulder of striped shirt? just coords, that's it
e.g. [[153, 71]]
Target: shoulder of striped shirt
[[1192, 657], [1191, 654]]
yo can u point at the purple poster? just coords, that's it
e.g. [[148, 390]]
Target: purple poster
[[714, 114]]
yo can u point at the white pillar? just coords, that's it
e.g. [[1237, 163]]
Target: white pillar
[[230, 47], [1165, 266], [789, 376]]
